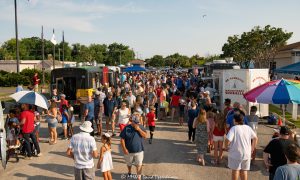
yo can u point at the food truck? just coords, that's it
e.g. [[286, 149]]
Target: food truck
[[233, 83]]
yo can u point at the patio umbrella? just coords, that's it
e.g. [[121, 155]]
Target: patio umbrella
[[30, 97], [282, 91], [2, 139]]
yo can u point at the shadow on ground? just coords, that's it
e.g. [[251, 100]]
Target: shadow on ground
[[38, 177], [56, 168]]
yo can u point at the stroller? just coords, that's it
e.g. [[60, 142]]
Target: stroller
[[22, 149]]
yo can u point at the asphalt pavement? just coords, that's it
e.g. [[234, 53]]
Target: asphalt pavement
[[170, 156]]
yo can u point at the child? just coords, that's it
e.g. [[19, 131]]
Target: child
[[65, 120], [105, 159], [182, 104], [12, 129], [70, 129], [151, 122], [36, 122]]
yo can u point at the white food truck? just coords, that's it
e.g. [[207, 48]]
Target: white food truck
[[233, 83]]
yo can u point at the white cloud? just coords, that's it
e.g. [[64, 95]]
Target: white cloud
[[79, 16]]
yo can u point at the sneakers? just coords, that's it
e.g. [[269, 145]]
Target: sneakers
[[39, 155], [64, 138], [28, 158]]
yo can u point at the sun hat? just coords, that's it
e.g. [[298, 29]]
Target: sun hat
[[106, 135], [86, 127]]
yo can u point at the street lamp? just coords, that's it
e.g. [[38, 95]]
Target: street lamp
[[17, 41]]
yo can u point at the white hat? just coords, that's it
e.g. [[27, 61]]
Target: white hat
[[97, 93], [207, 92], [86, 127], [106, 135]]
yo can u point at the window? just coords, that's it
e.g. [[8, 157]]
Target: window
[[296, 53]]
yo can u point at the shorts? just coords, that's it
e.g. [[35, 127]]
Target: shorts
[[218, 138], [122, 126], [135, 159], [181, 113], [175, 107], [151, 128], [36, 88], [52, 124], [110, 118], [87, 173], [236, 164], [64, 125]]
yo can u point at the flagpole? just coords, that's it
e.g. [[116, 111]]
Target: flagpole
[[43, 56], [17, 40], [53, 53], [63, 49]]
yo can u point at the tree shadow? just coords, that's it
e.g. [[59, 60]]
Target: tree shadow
[[37, 177], [56, 168]]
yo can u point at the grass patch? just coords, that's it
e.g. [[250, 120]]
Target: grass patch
[[288, 116]]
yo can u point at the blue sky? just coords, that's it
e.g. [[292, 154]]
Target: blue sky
[[149, 26]]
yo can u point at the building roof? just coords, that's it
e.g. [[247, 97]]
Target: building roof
[[137, 61], [290, 46]]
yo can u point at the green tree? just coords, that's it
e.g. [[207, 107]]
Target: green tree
[[156, 61], [98, 52], [259, 45], [118, 53]]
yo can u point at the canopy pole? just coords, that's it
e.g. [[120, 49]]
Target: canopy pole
[[283, 115]]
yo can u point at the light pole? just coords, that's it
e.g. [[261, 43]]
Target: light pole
[[17, 40]]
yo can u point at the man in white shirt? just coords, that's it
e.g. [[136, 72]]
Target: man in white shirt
[[240, 147], [131, 99], [83, 149]]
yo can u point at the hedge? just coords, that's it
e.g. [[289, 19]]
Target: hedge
[[25, 77]]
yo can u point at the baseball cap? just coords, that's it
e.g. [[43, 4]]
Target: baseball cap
[[284, 130], [135, 118]]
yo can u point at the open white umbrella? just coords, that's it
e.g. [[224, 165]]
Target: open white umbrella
[[2, 139], [30, 97]]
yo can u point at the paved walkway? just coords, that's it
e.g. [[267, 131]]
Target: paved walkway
[[170, 156]]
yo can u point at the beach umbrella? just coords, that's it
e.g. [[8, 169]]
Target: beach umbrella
[[2, 139], [283, 91], [30, 97]]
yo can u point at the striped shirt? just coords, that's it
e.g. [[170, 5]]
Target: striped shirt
[[82, 145]]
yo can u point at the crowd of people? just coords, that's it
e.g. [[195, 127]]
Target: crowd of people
[[137, 102]]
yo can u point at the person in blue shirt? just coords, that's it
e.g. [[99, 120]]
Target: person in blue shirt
[[89, 113], [64, 121], [110, 107], [192, 114], [132, 138], [230, 115], [19, 88]]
